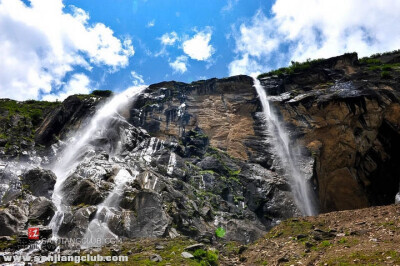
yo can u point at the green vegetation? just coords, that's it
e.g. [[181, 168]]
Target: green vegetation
[[206, 258], [293, 68], [369, 61], [290, 228], [102, 93], [385, 75], [4, 244], [19, 120], [220, 232], [325, 244]]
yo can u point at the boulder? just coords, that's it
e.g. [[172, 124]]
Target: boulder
[[79, 191], [41, 211], [40, 182], [8, 223], [75, 224], [149, 218], [12, 220]]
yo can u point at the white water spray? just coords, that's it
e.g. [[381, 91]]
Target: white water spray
[[98, 228], [301, 190], [68, 160]]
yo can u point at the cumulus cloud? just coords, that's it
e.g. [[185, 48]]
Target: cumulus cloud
[[169, 38], [298, 30], [41, 43], [179, 65], [198, 47], [245, 65], [78, 84]]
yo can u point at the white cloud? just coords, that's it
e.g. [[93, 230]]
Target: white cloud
[[229, 5], [298, 30], [40, 44], [169, 38], [179, 65], [198, 46], [245, 65], [78, 84], [151, 23], [137, 79]]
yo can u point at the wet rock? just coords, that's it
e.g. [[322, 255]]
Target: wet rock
[[81, 191], [41, 211], [75, 223], [40, 182], [149, 218], [65, 117], [9, 224]]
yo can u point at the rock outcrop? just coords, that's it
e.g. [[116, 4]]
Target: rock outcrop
[[342, 114]]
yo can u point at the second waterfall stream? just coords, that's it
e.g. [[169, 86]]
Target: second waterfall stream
[[301, 190]]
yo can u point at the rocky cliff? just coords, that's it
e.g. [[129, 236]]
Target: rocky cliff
[[342, 112], [201, 155]]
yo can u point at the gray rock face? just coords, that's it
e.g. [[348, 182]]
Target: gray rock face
[[40, 182], [150, 219], [12, 220], [8, 223], [81, 191], [41, 211], [76, 222]]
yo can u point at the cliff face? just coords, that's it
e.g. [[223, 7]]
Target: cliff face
[[202, 153], [342, 110], [346, 114], [223, 109]]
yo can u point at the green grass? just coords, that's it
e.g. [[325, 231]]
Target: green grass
[[293, 68]]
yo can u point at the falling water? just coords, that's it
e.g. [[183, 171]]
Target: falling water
[[69, 158], [301, 190], [98, 228]]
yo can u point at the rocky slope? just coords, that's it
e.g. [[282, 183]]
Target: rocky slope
[[201, 156]]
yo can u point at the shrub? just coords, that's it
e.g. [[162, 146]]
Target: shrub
[[385, 75], [206, 258], [102, 93], [387, 68], [370, 61]]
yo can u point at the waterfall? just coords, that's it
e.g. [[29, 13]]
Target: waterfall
[[301, 190], [69, 158], [98, 227]]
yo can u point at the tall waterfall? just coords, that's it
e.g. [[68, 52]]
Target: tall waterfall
[[68, 159], [301, 190]]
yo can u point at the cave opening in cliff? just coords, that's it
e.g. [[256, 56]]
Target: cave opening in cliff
[[386, 177]]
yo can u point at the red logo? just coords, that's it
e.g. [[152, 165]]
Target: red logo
[[33, 233]]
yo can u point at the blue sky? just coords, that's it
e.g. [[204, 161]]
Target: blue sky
[[146, 21], [50, 49]]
